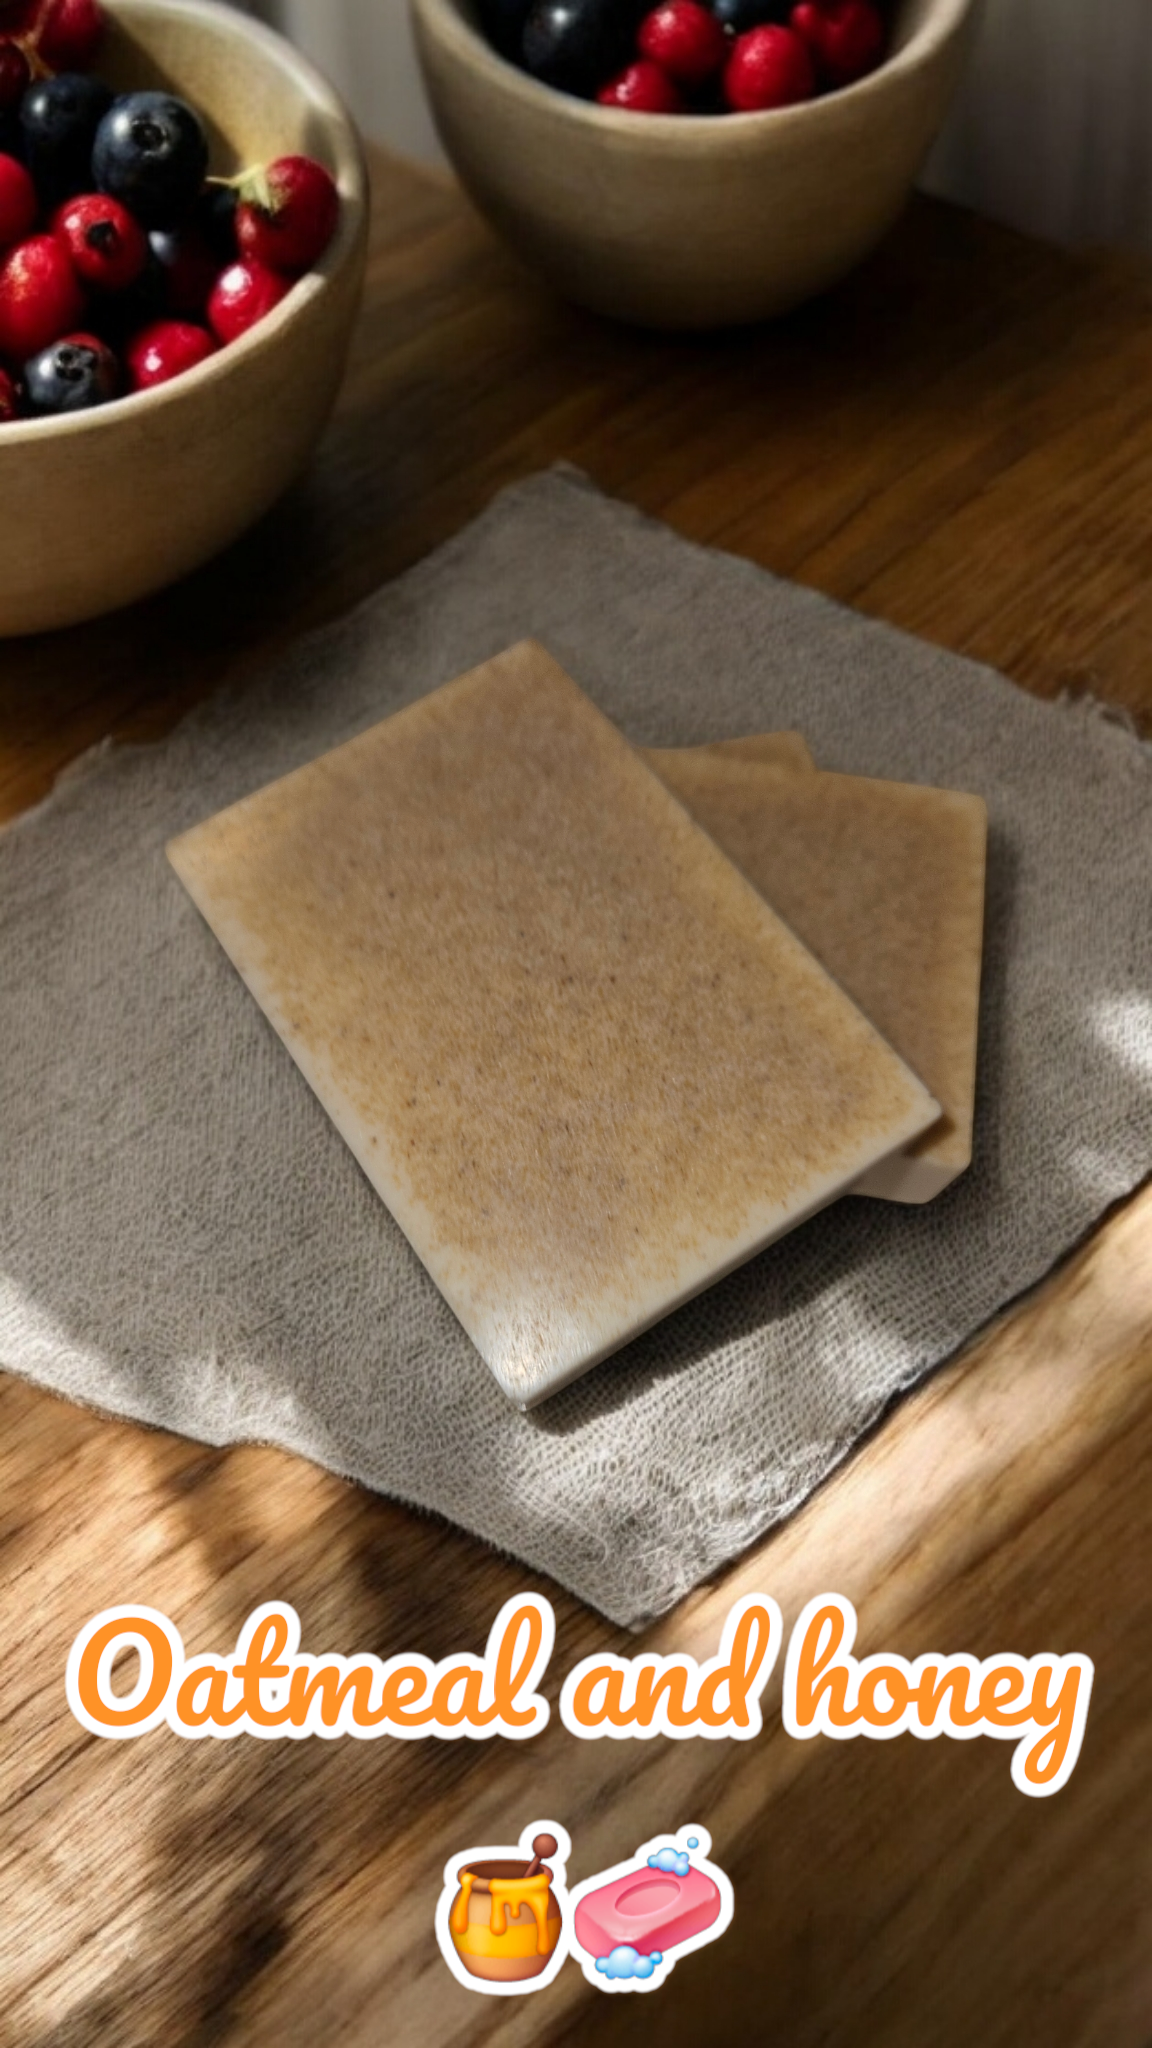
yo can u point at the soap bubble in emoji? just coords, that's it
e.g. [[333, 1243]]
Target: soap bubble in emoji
[[632, 1924], [502, 1921]]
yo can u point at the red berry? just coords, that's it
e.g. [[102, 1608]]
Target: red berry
[[18, 202], [18, 17], [9, 399], [107, 245], [846, 37], [769, 67], [70, 34], [242, 295], [15, 73], [165, 350], [287, 215], [643, 89], [40, 297], [686, 39]]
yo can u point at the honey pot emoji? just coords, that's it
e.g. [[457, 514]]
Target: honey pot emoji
[[505, 1920]]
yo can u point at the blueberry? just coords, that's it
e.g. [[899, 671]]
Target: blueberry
[[215, 215], [503, 23], [71, 376], [577, 45], [741, 15], [59, 118], [151, 153]]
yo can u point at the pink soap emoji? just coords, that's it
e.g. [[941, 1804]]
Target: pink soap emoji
[[649, 1909]]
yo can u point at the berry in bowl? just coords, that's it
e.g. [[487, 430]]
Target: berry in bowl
[[693, 163], [183, 222], [691, 56]]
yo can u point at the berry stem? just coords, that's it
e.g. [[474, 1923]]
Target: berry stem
[[30, 49], [250, 185]]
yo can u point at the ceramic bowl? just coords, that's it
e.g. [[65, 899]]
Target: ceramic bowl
[[680, 220], [107, 506]]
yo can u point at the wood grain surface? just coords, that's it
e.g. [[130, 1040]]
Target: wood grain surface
[[960, 441]]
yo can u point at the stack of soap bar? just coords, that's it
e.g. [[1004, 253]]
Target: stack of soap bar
[[776, 749], [586, 1066], [885, 882]]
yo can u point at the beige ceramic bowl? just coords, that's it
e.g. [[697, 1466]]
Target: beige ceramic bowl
[[688, 221], [102, 508]]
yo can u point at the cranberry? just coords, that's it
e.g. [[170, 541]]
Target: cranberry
[[19, 17], [846, 37], [644, 88], [685, 39], [242, 295], [165, 350], [18, 203], [40, 297], [287, 215], [70, 34], [15, 73], [108, 248], [769, 67]]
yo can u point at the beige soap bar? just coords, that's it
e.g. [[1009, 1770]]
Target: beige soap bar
[[777, 749], [585, 1065], [885, 882]]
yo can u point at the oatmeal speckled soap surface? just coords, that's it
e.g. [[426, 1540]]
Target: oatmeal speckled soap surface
[[885, 882], [584, 1064]]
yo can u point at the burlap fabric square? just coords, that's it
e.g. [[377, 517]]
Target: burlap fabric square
[[185, 1239]]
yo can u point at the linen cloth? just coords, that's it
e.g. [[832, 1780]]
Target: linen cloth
[[185, 1239]]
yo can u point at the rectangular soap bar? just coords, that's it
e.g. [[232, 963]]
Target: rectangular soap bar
[[647, 1909], [584, 1064], [777, 749], [885, 882]]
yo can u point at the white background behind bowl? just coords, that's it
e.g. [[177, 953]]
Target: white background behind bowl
[[1051, 132]]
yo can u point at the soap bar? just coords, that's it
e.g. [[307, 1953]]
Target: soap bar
[[777, 749], [584, 1064], [885, 882], [649, 1910]]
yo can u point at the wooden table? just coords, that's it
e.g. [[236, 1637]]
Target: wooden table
[[959, 440]]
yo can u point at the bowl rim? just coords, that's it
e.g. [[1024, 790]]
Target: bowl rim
[[445, 20], [352, 181]]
